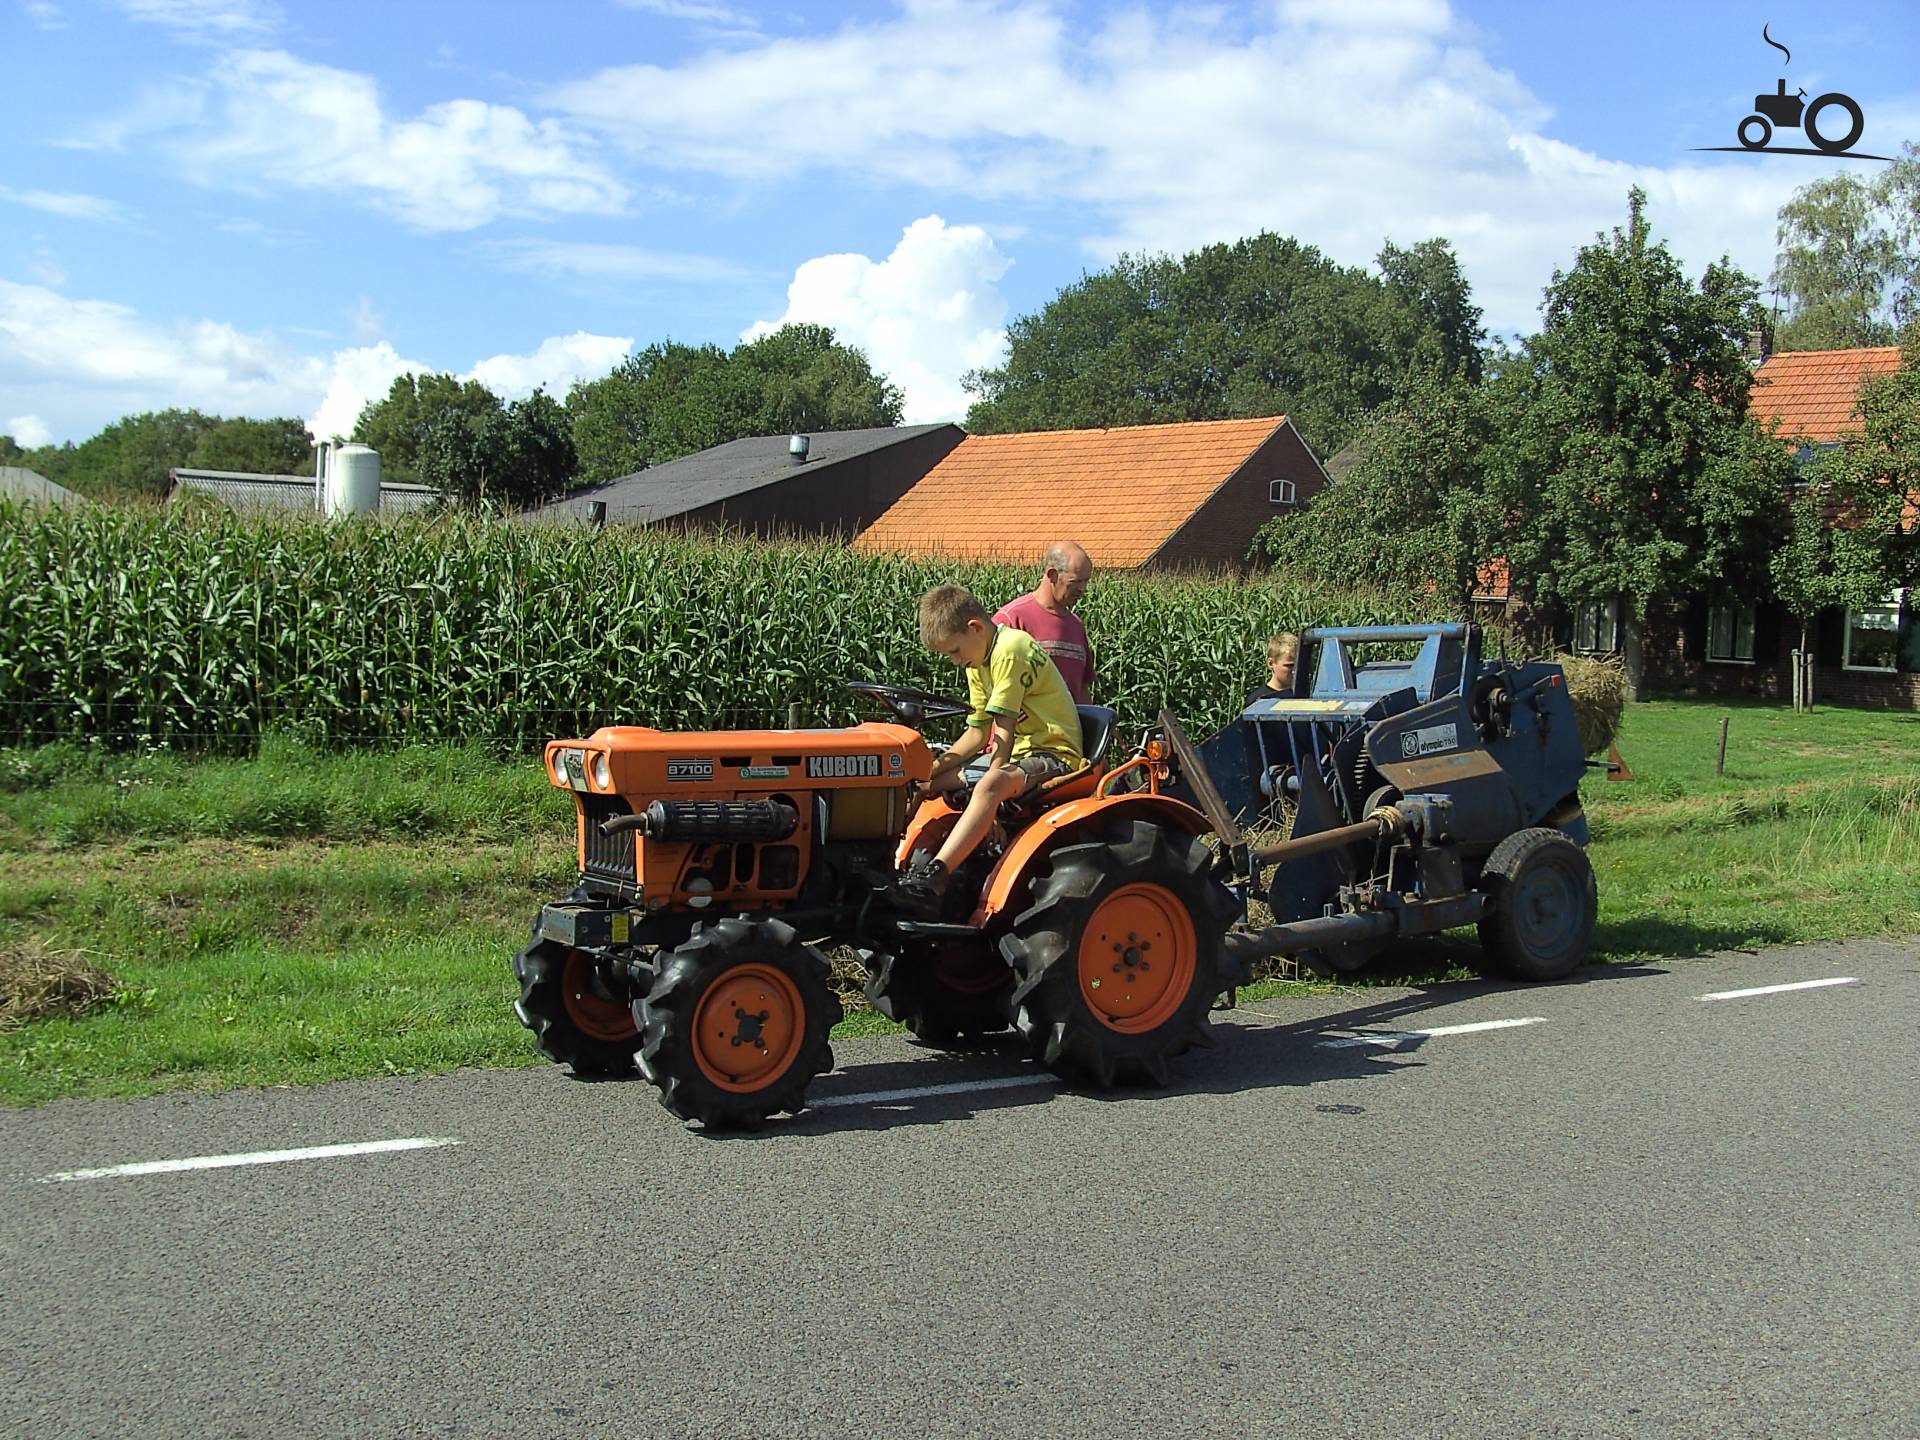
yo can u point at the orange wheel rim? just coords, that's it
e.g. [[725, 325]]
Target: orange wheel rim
[[601, 1019], [1137, 958], [748, 1028]]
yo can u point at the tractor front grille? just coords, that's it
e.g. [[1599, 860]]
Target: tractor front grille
[[609, 857]]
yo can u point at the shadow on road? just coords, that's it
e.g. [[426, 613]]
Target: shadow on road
[[1248, 1053]]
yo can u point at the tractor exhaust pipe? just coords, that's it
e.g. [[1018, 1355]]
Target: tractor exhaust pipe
[[674, 820]]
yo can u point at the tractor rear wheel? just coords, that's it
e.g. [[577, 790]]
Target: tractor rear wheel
[[735, 1027], [1542, 906], [946, 992], [578, 1014], [1119, 956]]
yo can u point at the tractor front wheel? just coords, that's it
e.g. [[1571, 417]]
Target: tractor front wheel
[[1542, 903], [579, 1015], [736, 1025], [1119, 956]]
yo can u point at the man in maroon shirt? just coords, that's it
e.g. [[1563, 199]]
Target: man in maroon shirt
[[1046, 613]]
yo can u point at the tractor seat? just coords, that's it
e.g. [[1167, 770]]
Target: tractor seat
[[1096, 734], [1097, 724]]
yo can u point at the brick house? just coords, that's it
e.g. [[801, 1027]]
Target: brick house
[[1739, 645], [1139, 497]]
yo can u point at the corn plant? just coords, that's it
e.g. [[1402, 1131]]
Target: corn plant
[[207, 630]]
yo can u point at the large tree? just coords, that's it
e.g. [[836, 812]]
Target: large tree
[[1628, 472], [257, 447], [1263, 326], [397, 424], [1411, 515], [1848, 268], [518, 455], [129, 459]]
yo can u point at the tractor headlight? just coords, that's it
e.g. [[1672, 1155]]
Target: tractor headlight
[[601, 770], [557, 766]]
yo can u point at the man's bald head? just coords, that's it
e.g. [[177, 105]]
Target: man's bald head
[[1069, 569]]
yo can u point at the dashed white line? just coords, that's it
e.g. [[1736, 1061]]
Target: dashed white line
[[918, 1092], [1406, 1037], [251, 1157], [1779, 989]]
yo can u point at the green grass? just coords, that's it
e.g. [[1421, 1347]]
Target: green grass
[[306, 916]]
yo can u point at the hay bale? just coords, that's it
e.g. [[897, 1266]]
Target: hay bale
[[37, 982], [1597, 685]]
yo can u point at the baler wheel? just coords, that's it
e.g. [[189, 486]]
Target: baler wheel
[[946, 993], [736, 1025], [1119, 956], [577, 1016], [1543, 906]]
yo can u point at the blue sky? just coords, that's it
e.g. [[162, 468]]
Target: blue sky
[[273, 208]]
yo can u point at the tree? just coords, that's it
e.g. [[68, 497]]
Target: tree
[[1263, 326], [1855, 526], [671, 399], [1413, 513], [259, 447], [519, 455], [1627, 471], [397, 425], [130, 458], [1848, 267]]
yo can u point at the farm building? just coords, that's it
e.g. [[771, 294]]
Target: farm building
[[831, 482], [1138, 497], [22, 485], [1738, 645], [256, 493]]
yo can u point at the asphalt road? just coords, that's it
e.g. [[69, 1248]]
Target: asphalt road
[[1644, 1215]]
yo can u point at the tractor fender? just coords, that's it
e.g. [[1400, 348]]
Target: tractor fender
[[1068, 822]]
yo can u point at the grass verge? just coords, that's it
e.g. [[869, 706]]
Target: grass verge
[[304, 917]]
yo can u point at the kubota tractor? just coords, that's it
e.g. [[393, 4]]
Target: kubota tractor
[[713, 866]]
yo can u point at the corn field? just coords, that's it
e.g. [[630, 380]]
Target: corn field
[[127, 627]]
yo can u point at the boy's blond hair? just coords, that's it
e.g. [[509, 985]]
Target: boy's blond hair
[[945, 611], [1285, 643]]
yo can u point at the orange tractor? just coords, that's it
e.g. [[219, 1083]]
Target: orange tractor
[[1099, 919], [713, 866]]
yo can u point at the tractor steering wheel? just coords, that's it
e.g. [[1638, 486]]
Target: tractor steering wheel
[[909, 706]]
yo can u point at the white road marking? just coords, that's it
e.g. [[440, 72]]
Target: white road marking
[[1403, 1037], [1777, 989], [252, 1157], [958, 1087]]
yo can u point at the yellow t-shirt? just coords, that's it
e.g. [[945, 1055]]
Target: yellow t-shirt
[[1019, 681]]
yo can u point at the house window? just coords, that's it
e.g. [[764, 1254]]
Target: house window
[[1596, 627], [1730, 635], [1873, 635], [1280, 492]]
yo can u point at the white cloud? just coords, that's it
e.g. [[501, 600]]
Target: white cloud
[[76, 365], [60, 202], [206, 18], [924, 315], [698, 12], [265, 114], [589, 261], [554, 366], [30, 432], [44, 14], [1341, 123]]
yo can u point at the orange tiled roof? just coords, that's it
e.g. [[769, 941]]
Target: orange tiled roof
[[1121, 492], [1812, 392]]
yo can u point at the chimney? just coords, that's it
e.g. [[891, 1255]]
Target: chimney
[[797, 449], [1757, 345]]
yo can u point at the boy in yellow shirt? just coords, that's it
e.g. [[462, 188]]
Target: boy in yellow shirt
[[1022, 714]]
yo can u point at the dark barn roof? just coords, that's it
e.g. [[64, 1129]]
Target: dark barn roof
[[724, 472], [249, 492], [19, 483]]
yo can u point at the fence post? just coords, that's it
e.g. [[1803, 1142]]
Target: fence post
[[1799, 684], [1720, 765], [793, 715]]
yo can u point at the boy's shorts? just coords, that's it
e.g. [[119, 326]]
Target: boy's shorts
[[1040, 766]]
